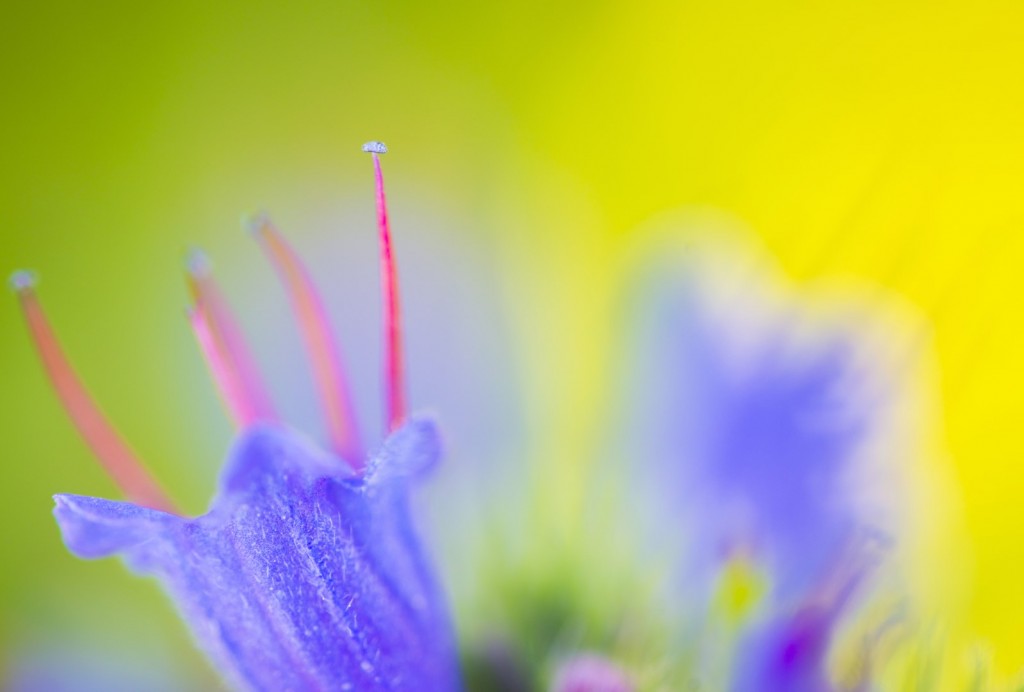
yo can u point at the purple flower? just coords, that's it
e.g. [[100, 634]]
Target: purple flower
[[305, 574], [763, 429], [761, 444]]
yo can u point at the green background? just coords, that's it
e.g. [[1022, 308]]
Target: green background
[[874, 140]]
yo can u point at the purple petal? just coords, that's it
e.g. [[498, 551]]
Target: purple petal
[[93, 527], [301, 577], [411, 451]]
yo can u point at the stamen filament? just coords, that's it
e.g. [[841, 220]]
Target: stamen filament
[[247, 392], [394, 372], [113, 453], [321, 346], [223, 374]]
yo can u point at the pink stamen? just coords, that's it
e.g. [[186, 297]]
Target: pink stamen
[[320, 344], [394, 372], [248, 393], [223, 375], [116, 457]]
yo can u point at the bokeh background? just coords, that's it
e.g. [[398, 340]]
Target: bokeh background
[[532, 145]]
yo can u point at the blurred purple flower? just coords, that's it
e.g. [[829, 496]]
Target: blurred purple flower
[[759, 425], [759, 447], [775, 458], [789, 655], [789, 652]]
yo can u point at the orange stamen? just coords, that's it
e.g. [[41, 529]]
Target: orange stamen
[[113, 453], [223, 374], [250, 401], [320, 344]]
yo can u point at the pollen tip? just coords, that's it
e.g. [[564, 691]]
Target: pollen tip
[[197, 262], [375, 147], [22, 279], [256, 223]]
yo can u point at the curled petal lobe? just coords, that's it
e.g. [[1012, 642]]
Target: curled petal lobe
[[412, 451], [93, 527]]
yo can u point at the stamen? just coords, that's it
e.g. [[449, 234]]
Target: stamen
[[375, 148], [320, 344], [248, 393], [113, 453], [393, 365], [223, 374]]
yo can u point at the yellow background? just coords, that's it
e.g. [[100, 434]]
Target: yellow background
[[877, 140]]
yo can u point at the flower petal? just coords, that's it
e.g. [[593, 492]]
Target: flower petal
[[301, 576], [411, 451], [93, 527]]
